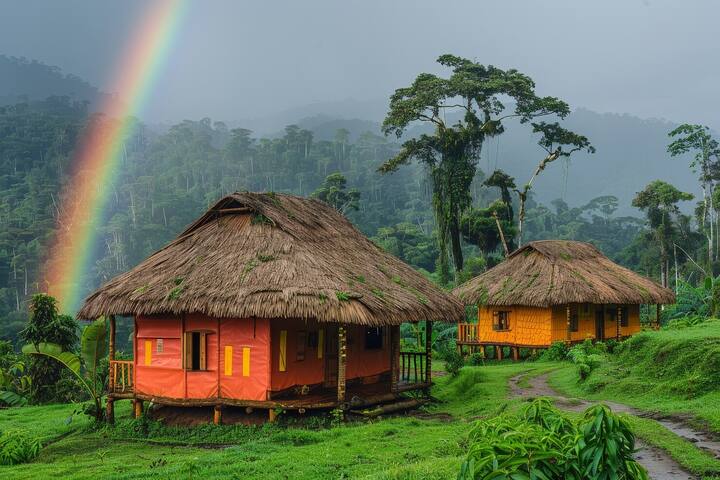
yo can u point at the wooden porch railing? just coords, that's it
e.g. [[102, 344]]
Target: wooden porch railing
[[412, 367], [468, 333], [121, 378]]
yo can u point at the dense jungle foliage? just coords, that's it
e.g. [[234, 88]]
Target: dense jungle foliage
[[168, 178]]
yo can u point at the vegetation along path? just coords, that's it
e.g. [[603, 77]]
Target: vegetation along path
[[658, 463]]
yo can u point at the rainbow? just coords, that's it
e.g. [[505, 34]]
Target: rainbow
[[97, 157]]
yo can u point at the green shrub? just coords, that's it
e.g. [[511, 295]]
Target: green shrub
[[17, 446], [541, 443], [557, 352], [476, 359]]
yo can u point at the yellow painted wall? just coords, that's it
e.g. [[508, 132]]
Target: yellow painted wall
[[586, 322], [534, 326], [528, 326]]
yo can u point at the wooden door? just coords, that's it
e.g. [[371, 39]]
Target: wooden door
[[600, 324], [331, 355]]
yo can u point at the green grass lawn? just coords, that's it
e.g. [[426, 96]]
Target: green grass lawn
[[669, 371], [401, 447]]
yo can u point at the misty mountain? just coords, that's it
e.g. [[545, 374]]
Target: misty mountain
[[631, 151], [29, 80]]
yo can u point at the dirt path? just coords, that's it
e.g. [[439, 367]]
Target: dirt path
[[657, 462]]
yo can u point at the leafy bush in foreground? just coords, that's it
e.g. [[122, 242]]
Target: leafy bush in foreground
[[17, 447], [542, 444]]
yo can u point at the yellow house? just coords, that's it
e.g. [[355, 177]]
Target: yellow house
[[555, 290]]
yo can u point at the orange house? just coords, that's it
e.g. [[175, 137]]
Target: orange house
[[269, 301], [555, 291]]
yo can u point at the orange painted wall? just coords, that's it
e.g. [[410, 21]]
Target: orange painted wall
[[528, 326], [165, 377], [311, 370], [362, 362]]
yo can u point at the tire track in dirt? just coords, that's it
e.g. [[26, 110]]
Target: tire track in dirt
[[658, 463]]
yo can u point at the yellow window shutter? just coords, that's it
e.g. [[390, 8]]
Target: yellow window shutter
[[321, 343], [228, 360], [283, 351], [148, 352], [246, 361], [203, 352]]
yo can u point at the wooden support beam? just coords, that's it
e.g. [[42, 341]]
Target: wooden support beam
[[482, 351], [499, 352], [619, 321], [394, 357], [569, 326], [110, 410], [111, 353], [342, 361], [516, 353], [137, 408], [272, 416], [428, 354], [217, 415]]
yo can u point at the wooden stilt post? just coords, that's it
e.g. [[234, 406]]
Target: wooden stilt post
[[569, 326], [619, 321], [394, 358], [217, 415], [482, 351], [272, 415], [428, 355], [499, 352], [657, 314], [111, 354], [110, 410], [342, 357], [138, 408], [516, 353]]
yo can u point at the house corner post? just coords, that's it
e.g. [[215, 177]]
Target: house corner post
[[428, 355], [619, 322], [111, 354], [342, 358], [569, 326], [394, 358], [110, 410], [217, 415]]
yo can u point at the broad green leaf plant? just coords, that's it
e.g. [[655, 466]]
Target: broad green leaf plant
[[93, 347]]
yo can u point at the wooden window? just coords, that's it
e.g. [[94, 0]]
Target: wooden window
[[624, 320], [159, 345], [312, 339], [574, 317], [300, 345], [195, 351], [501, 320], [374, 338]]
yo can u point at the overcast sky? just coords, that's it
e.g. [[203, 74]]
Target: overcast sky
[[243, 59]]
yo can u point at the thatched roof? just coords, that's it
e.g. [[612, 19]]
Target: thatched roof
[[558, 272], [275, 256]]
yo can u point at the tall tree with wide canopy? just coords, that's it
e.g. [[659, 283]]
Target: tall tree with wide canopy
[[659, 200], [451, 152], [557, 142], [697, 139]]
